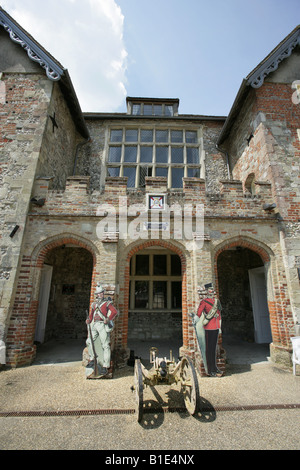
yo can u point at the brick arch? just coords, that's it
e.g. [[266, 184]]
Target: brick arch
[[162, 243], [246, 242], [40, 251], [22, 349], [266, 255], [134, 249]]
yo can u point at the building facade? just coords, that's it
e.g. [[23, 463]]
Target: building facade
[[150, 203]]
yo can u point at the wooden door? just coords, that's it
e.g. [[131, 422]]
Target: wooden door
[[43, 303], [260, 305]]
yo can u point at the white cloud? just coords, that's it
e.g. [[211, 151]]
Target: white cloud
[[86, 36]]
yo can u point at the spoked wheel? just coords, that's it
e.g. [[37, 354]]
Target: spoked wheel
[[189, 385], [138, 382]]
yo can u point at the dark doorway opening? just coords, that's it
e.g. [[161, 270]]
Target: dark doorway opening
[[67, 295], [234, 291], [237, 296]]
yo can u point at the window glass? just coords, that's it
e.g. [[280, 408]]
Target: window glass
[[152, 285], [147, 135], [144, 171], [177, 175], [130, 153], [161, 171], [177, 154], [156, 152], [141, 294], [162, 154], [146, 154], [159, 265], [130, 171], [148, 109], [116, 135], [175, 265], [168, 110], [114, 171], [176, 136], [142, 265], [157, 110], [191, 137], [114, 155], [136, 109], [194, 172], [159, 294], [161, 136], [176, 294], [192, 155], [131, 135]]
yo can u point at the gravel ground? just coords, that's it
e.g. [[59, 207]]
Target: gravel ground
[[64, 387]]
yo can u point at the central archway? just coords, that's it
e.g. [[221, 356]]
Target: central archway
[[154, 297]]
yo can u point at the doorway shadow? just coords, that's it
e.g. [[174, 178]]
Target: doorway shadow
[[240, 355], [240, 352], [59, 352]]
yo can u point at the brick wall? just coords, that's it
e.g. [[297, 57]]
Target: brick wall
[[23, 118], [71, 217], [272, 154], [29, 146]]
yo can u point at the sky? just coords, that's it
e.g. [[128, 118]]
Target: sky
[[194, 50]]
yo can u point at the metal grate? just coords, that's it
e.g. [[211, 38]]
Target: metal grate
[[42, 414]]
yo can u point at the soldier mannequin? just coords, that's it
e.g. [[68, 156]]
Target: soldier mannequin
[[207, 323], [101, 319]]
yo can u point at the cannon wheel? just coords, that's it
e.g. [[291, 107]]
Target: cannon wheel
[[189, 385], [138, 381]]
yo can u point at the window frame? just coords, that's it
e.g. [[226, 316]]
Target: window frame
[[151, 278], [139, 109], [155, 144]]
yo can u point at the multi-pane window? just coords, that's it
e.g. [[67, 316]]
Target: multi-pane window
[[155, 282], [140, 152], [152, 109]]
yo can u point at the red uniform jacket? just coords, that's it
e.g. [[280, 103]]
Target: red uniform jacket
[[107, 309], [206, 306]]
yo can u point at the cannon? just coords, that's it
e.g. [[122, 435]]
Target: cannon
[[167, 372]]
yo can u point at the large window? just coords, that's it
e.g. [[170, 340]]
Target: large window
[[155, 282], [140, 152]]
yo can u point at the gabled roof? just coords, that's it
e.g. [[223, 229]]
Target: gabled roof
[[272, 61], [54, 70], [256, 78]]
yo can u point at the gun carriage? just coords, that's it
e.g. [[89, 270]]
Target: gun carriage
[[167, 372]]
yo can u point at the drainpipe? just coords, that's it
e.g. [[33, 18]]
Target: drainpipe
[[227, 161], [81, 144]]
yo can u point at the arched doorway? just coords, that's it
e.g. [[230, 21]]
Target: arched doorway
[[63, 273], [22, 348], [242, 286], [64, 294], [155, 300]]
